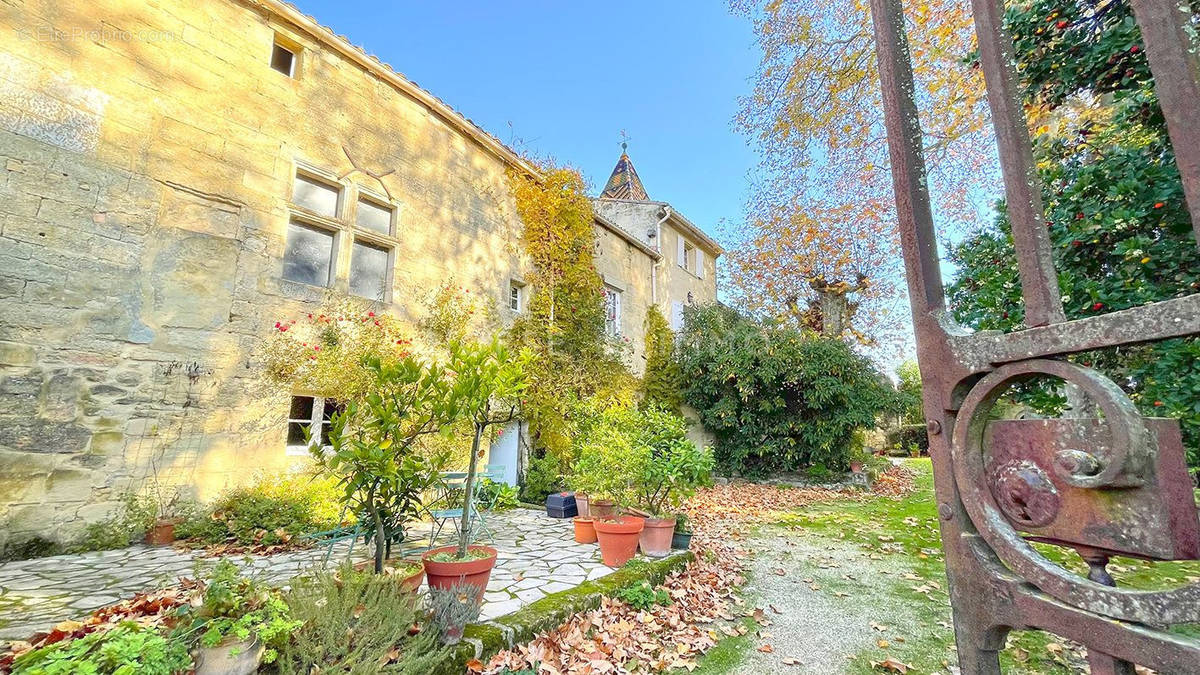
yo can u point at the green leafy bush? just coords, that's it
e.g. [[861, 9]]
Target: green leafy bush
[[124, 650], [643, 596], [237, 608], [901, 440], [270, 510], [356, 622], [542, 478], [774, 397], [496, 496]]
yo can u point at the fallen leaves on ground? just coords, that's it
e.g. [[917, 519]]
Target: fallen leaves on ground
[[151, 610], [617, 638]]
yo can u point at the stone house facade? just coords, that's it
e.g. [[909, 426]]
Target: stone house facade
[[179, 176]]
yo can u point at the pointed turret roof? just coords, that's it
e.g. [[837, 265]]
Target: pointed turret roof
[[624, 182]]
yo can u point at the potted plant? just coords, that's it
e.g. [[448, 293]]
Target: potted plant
[[618, 538], [581, 503], [669, 469], [682, 539], [237, 623], [585, 530], [411, 573], [488, 382], [372, 447]]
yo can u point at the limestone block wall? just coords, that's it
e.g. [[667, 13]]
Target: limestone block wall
[[628, 269], [147, 153]]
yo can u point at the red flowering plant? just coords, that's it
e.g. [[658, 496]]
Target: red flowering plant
[[323, 351]]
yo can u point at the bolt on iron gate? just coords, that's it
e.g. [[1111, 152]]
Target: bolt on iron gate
[[1116, 483]]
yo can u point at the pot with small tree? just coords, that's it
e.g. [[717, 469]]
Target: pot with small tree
[[669, 469], [606, 468], [373, 449], [487, 384]]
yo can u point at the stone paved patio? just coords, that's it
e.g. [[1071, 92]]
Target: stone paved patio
[[537, 556]]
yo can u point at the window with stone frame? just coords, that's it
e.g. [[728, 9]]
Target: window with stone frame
[[321, 226], [309, 419], [612, 311]]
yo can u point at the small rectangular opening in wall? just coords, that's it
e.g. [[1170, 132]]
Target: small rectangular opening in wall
[[283, 58]]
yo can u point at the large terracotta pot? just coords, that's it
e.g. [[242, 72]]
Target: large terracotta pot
[[585, 530], [618, 538], [581, 502], [655, 539], [409, 584], [162, 532], [474, 573], [601, 508]]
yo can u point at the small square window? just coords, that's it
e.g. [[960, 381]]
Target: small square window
[[309, 417], [283, 60], [515, 299], [308, 257], [374, 217], [369, 271], [316, 196]]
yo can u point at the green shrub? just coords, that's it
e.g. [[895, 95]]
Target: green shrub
[[541, 478], [270, 510], [33, 547], [126, 649], [352, 622], [238, 608], [776, 398], [643, 596], [903, 439], [496, 496]]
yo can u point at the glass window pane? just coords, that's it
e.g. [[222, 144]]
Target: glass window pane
[[373, 217], [309, 254], [315, 196], [283, 59], [325, 427], [301, 408], [295, 433], [332, 406], [368, 271]]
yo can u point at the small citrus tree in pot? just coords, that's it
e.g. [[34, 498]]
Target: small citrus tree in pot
[[486, 387], [373, 447], [669, 470], [609, 462]]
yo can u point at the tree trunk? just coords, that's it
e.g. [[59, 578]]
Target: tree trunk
[[465, 535], [380, 538]]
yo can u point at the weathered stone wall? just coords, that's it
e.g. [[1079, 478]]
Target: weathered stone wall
[[147, 156], [628, 269], [147, 169]]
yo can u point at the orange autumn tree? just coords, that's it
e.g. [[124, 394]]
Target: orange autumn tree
[[819, 245]]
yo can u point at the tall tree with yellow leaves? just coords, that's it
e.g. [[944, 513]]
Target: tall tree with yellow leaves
[[819, 244]]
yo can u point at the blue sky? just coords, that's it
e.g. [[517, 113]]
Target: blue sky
[[570, 76]]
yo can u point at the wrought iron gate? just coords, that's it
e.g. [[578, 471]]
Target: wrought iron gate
[[1113, 484]]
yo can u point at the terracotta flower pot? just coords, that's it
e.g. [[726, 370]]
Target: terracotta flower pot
[[655, 539], [409, 584], [161, 533], [473, 573], [581, 502], [601, 508], [618, 539], [230, 657], [585, 530]]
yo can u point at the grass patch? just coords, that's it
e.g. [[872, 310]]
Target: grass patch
[[729, 652]]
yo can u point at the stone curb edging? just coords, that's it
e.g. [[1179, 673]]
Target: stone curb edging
[[484, 640]]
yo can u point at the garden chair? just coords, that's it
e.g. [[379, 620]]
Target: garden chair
[[448, 493], [330, 538], [486, 504]]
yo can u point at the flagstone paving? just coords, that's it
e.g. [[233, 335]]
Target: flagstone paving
[[537, 556]]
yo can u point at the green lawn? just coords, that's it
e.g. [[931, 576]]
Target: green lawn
[[901, 536]]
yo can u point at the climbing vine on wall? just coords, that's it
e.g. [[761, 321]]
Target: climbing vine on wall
[[564, 322], [662, 384]]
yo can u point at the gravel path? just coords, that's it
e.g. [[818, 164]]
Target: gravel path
[[823, 605]]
